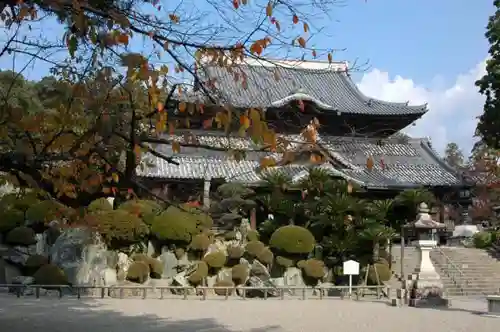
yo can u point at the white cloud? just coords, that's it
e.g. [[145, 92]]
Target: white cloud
[[452, 110]]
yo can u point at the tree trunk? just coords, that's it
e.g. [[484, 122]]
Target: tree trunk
[[376, 251]]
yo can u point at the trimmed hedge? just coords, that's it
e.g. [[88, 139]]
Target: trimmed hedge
[[265, 256], [224, 292], [239, 274], [254, 248], [292, 239], [118, 227], [483, 240], [155, 266], [21, 236], [253, 235], [284, 262], [215, 259], [147, 210], [46, 211], [384, 273], [98, 205], [50, 274], [33, 264], [199, 274], [200, 242], [138, 272], [10, 219]]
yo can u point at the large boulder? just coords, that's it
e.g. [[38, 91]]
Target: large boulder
[[8, 272], [84, 258]]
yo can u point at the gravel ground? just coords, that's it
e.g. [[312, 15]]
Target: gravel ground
[[134, 315]]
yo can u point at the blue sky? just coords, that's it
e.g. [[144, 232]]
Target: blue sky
[[418, 50]]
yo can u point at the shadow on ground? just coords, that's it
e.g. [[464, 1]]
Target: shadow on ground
[[71, 315]]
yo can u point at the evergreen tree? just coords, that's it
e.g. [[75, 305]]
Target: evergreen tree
[[488, 127], [453, 155]]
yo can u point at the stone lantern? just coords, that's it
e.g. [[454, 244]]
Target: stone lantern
[[427, 285]]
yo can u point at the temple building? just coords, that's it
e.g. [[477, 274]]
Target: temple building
[[358, 134]]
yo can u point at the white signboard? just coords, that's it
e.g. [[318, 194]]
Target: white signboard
[[351, 268]]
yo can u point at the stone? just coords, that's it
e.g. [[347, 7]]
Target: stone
[[255, 281], [16, 255], [84, 258], [493, 304], [170, 264], [8, 272], [225, 274], [260, 270], [151, 249], [24, 282], [122, 265]]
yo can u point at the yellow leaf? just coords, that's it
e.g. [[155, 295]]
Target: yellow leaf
[[176, 147], [306, 27], [267, 162], [165, 45], [106, 190], [349, 187], [182, 107], [330, 58], [115, 177], [295, 19], [137, 151], [302, 42], [269, 9], [369, 163], [244, 121], [315, 158]]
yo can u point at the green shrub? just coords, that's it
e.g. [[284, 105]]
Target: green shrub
[[292, 239], [98, 205], [147, 210], [33, 263], [215, 259], [482, 240], [254, 248], [201, 272], [224, 292], [176, 225], [385, 255], [17, 201], [200, 242], [253, 235], [50, 274], [47, 211], [10, 219], [138, 272], [384, 273], [239, 274], [21, 236], [155, 266], [118, 228], [284, 262], [265, 256]]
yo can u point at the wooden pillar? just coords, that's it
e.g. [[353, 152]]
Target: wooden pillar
[[253, 219], [206, 193]]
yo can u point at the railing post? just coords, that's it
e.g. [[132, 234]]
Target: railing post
[[161, 293], [37, 292]]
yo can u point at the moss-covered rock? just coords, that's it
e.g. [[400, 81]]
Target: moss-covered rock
[[253, 235], [284, 262], [21, 236], [118, 228], [239, 274], [201, 272], [10, 219], [147, 210], [265, 256], [383, 270], [33, 264], [47, 211], [200, 242], [215, 260], [50, 274], [292, 239], [138, 272], [100, 204], [254, 248], [224, 292], [179, 226]]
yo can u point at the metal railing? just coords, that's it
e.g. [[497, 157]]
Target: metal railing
[[201, 292], [453, 272]]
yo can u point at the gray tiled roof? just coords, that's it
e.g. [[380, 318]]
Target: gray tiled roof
[[329, 89], [404, 165]]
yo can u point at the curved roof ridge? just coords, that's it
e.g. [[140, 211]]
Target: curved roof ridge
[[357, 92]]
